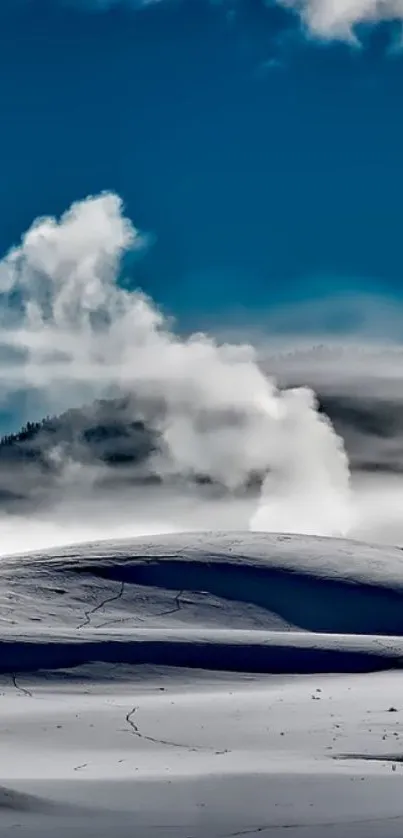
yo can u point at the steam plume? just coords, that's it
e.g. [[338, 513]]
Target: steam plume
[[70, 332]]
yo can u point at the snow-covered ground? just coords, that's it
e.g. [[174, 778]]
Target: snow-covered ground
[[202, 686]]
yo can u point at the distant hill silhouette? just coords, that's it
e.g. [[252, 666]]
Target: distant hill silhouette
[[120, 439], [105, 431], [117, 438], [103, 435]]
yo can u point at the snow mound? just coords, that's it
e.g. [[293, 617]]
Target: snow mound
[[247, 602]]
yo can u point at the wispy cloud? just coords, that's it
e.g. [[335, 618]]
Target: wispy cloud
[[337, 19], [324, 19]]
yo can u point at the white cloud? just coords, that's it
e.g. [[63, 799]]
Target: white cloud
[[337, 19], [326, 19]]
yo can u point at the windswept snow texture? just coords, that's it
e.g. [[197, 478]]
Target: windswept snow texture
[[246, 602], [202, 686]]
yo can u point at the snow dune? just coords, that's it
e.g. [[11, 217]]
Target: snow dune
[[202, 686], [237, 602]]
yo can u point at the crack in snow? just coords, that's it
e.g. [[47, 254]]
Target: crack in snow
[[136, 732], [314, 824], [89, 614], [177, 607], [20, 689], [121, 620], [370, 757]]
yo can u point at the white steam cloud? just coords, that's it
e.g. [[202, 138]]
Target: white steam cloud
[[70, 332]]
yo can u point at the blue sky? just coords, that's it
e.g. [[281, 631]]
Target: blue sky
[[267, 163]]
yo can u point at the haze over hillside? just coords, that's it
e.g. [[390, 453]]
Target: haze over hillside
[[122, 439]]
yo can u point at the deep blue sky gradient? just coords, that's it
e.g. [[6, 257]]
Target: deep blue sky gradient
[[269, 167]]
